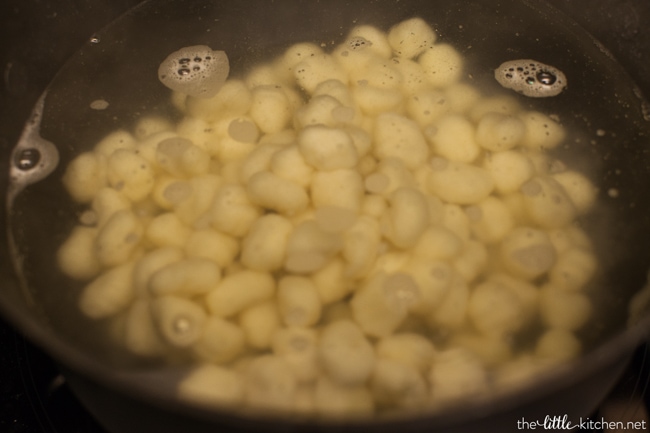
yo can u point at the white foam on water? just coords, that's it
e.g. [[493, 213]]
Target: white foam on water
[[531, 78], [196, 71]]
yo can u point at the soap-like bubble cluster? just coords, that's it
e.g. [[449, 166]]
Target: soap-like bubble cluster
[[531, 78], [196, 71]]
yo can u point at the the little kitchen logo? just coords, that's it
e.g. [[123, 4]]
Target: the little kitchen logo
[[562, 422]]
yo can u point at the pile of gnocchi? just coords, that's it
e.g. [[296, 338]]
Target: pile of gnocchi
[[347, 232]]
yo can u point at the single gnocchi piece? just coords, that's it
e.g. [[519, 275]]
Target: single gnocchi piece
[[122, 139], [400, 137], [558, 345], [299, 348], [579, 188], [360, 246], [150, 263], [438, 243], [427, 107], [270, 191], [259, 323], [270, 384], [186, 277], [85, 176], [238, 291], [317, 69], [459, 183], [109, 294], [194, 209], [309, 248], [332, 282], [167, 230], [509, 169], [442, 64], [407, 217], [232, 212], [221, 341], [179, 321], [498, 132], [382, 303], [456, 374], [119, 239], [547, 203], [433, 279], [396, 385], [574, 268], [298, 301], [542, 132], [472, 260], [451, 314], [77, 257], [270, 108], [233, 99], [390, 175], [490, 220], [496, 310], [377, 73], [141, 336], [106, 203], [527, 252], [341, 188], [455, 139], [212, 245], [130, 173], [345, 354], [327, 148], [180, 157], [410, 37], [413, 350], [289, 163], [213, 386], [265, 246], [374, 101]]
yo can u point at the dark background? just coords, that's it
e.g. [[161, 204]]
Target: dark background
[[38, 35]]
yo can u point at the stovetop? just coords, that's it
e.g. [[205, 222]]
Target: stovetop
[[34, 397]]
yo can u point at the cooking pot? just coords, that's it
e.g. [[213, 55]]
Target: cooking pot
[[69, 44]]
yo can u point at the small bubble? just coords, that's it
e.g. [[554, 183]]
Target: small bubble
[[184, 61], [183, 72], [546, 78], [530, 80], [27, 159], [198, 59], [94, 40], [196, 68]]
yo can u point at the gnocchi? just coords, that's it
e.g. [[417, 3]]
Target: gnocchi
[[340, 233]]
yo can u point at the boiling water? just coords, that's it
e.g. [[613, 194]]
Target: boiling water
[[113, 81]]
